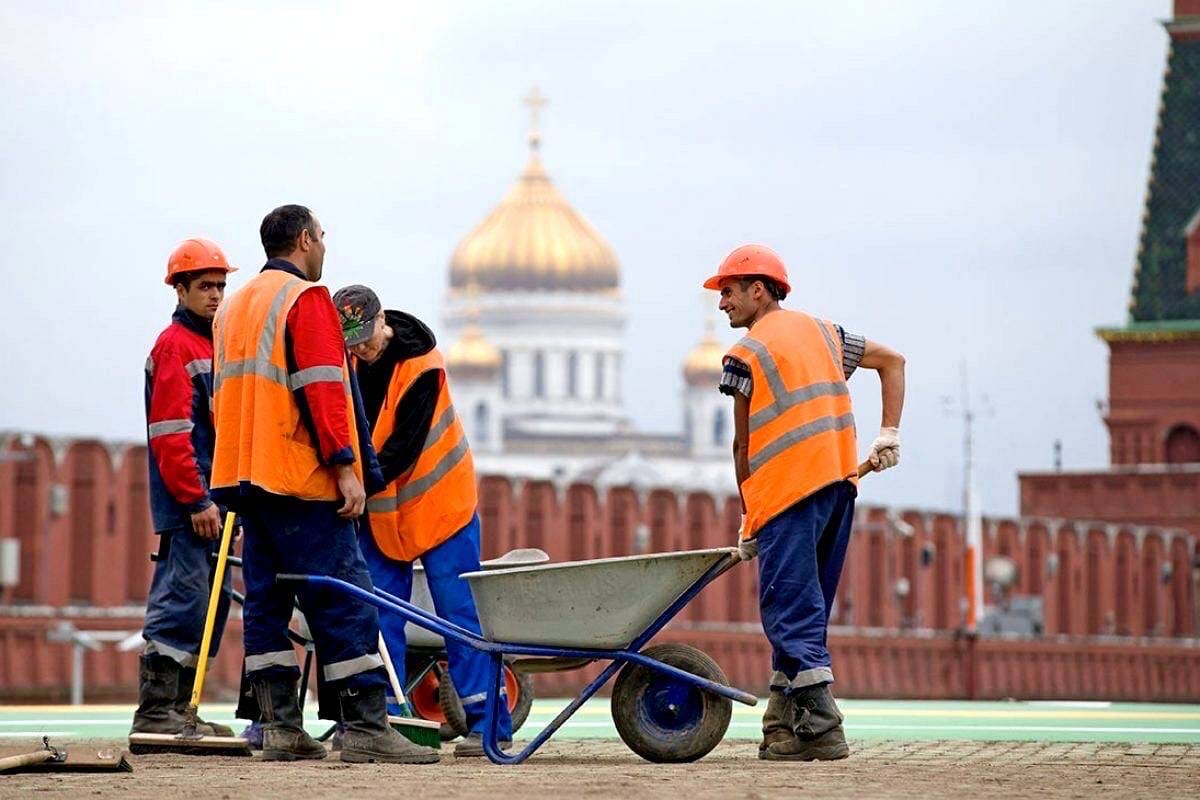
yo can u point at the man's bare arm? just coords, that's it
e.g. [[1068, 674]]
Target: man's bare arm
[[890, 366]]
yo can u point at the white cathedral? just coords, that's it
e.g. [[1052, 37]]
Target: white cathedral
[[535, 311]]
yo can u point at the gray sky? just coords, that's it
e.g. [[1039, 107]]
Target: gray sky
[[961, 181]]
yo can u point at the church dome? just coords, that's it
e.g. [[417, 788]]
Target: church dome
[[705, 363], [535, 240], [473, 353]]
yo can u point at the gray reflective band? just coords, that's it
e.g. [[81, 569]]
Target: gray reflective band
[[834, 351], [280, 658], [441, 426], [791, 399], [423, 484], [384, 505], [782, 399], [474, 698], [341, 670], [149, 365], [201, 366], [261, 364], [170, 426], [797, 435], [304, 377], [240, 369], [181, 657]]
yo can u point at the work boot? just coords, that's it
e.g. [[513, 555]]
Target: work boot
[[777, 723], [817, 725], [284, 737], [370, 738], [158, 687], [187, 680], [472, 746]]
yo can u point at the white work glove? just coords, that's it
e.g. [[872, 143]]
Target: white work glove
[[747, 548], [885, 450]]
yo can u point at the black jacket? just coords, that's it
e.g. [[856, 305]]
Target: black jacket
[[414, 413]]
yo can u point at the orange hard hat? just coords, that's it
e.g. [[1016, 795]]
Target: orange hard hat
[[749, 260], [196, 255]]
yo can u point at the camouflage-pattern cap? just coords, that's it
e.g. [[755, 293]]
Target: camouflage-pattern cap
[[358, 307]]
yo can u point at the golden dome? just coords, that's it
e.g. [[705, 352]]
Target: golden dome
[[535, 240], [473, 353], [705, 363]]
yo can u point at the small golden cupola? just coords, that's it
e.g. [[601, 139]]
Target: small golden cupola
[[704, 363]]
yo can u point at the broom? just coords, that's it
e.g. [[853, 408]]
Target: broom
[[190, 740], [424, 732]]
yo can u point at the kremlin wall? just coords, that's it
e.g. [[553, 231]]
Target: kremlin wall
[[1118, 600]]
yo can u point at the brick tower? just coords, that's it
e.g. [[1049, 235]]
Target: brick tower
[[1153, 413]]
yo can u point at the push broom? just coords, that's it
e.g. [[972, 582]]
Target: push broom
[[424, 732], [190, 741]]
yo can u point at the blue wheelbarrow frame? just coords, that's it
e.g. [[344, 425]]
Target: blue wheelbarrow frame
[[497, 650]]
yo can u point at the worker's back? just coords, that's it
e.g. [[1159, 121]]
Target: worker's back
[[801, 425], [261, 438]]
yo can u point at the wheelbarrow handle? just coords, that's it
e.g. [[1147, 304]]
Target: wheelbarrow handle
[[865, 469]]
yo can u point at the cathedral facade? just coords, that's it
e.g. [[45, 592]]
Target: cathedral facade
[[535, 311]]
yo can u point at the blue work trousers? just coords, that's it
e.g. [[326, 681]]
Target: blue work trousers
[[800, 557], [178, 601], [287, 535], [453, 602]]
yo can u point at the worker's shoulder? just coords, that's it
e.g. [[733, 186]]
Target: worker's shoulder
[[180, 342]]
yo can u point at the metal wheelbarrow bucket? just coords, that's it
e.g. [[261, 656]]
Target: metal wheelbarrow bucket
[[670, 702]]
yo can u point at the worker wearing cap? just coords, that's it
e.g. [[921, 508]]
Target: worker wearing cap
[[187, 521], [289, 460], [796, 464], [428, 508]]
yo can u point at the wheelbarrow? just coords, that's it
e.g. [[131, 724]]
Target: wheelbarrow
[[670, 702]]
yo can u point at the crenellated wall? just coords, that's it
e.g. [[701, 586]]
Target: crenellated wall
[[78, 508]]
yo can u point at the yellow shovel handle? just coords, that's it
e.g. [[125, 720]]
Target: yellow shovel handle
[[214, 598]]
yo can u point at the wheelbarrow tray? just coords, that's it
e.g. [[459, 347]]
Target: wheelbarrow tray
[[421, 598], [603, 603]]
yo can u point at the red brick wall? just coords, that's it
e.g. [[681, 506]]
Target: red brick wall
[[79, 511]]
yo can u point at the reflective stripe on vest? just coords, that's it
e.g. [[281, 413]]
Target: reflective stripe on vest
[[437, 497], [261, 439], [801, 425]]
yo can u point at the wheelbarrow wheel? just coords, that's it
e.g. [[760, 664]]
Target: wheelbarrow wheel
[[667, 720], [517, 685]]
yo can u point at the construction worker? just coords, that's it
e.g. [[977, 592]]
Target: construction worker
[[188, 522], [288, 460], [428, 508], [795, 459]]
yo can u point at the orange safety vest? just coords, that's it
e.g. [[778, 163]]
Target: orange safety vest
[[801, 425], [261, 439], [437, 496]]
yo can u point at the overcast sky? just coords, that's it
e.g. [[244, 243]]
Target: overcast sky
[[961, 181]]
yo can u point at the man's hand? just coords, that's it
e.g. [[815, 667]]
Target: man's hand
[[351, 490], [885, 450], [747, 548], [207, 523]]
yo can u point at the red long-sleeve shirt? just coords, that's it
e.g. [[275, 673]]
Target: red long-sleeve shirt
[[314, 338]]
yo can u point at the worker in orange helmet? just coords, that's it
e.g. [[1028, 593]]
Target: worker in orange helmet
[[796, 462], [188, 523]]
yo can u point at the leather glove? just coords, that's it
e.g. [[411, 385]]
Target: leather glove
[[885, 450]]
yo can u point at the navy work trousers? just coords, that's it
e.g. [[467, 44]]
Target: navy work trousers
[[287, 535], [800, 557], [453, 602], [178, 601]]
